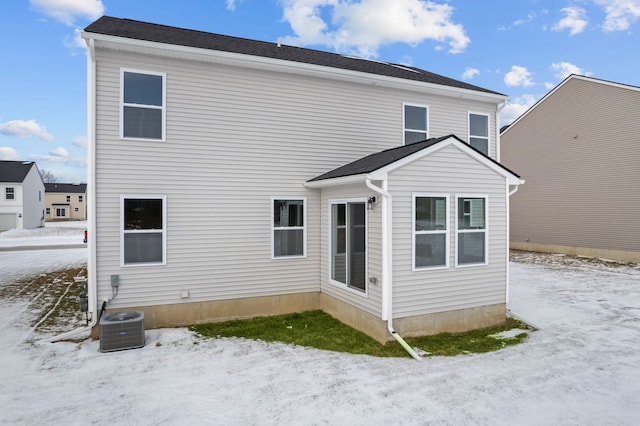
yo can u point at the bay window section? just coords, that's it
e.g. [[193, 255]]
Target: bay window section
[[430, 231], [416, 123], [288, 228], [471, 230], [143, 230], [479, 132], [142, 105]]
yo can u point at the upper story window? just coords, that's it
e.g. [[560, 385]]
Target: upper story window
[[479, 132], [142, 114], [143, 238], [68, 198], [416, 123], [288, 228], [430, 231], [80, 198], [9, 194]]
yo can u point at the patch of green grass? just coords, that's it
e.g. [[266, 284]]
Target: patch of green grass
[[320, 330]]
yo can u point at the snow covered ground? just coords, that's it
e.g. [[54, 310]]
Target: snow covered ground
[[581, 368]]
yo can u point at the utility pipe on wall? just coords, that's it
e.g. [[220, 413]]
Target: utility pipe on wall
[[387, 269]]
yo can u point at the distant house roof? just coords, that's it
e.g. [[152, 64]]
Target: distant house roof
[[137, 30], [74, 188], [14, 171], [378, 160]]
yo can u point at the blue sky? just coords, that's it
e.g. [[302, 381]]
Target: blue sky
[[521, 48]]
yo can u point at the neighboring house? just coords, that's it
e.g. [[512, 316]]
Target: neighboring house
[[21, 195], [65, 201], [579, 149], [236, 178]]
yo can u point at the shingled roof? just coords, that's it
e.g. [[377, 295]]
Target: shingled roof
[[73, 188], [378, 160], [14, 171], [138, 30]]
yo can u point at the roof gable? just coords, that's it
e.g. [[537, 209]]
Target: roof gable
[[137, 30], [564, 82], [376, 165], [15, 171]]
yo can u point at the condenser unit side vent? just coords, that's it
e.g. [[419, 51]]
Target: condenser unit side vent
[[121, 330]]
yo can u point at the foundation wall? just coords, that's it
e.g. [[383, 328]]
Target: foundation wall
[[181, 315], [621, 255]]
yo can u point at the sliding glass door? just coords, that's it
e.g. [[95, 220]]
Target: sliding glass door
[[348, 244]]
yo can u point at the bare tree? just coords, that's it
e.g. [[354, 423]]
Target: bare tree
[[48, 177]]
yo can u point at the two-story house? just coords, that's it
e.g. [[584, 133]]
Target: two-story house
[[65, 201], [578, 147], [235, 178], [21, 195]]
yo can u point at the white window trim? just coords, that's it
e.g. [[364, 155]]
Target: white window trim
[[486, 230], [404, 129], [338, 284], [414, 233], [163, 107], [13, 193], [304, 227], [488, 137], [164, 229]]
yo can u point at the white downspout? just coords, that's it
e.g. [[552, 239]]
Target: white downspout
[[508, 233], [387, 268], [500, 107], [92, 314]]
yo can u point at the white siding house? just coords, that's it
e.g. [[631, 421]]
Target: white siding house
[[230, 178], [21, 195]]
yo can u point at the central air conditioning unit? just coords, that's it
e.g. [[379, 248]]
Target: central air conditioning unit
[[123, 330]]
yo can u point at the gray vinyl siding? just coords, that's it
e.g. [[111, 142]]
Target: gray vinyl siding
[[372, 300], [235, 138], [438, 290], [578, 152]]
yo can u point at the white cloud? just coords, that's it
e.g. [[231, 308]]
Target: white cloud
[[231, 5], [518, 76], [8, 154], [530, 17], [469, 73], [575, 20], [80, 141], [565, 69], [75, 42], [515, 108], [67, 11], [361, 27], [59, 152], [620, 14], [25, 129]]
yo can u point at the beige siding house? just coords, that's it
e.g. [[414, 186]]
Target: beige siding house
[[578, 149], [65, 201], [231, 178]]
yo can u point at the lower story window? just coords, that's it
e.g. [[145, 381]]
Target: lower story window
[[143, 230], [471, 230], [430, 231], [288, 228], [348, 244], [60, 212]]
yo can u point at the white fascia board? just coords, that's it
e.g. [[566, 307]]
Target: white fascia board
[[279, 65], [382, 173], [344, 180]]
